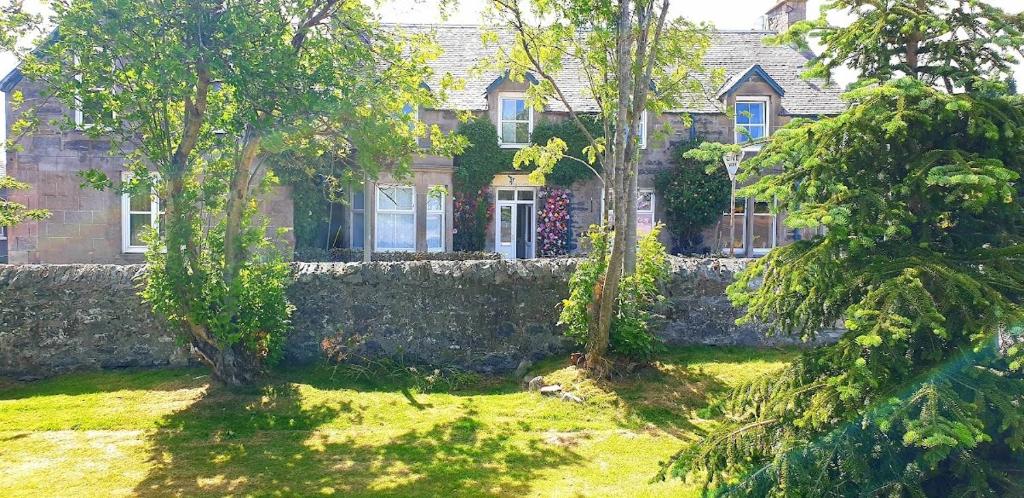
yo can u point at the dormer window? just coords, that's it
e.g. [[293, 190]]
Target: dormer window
[[751, 120], [515, 120]]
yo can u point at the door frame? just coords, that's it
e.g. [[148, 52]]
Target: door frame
[[513, 204]]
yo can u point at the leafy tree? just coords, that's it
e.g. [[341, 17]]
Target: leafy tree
[[918, 186], [207, 96], [569, 168], [13, 213], [694, 196], [623, 48]]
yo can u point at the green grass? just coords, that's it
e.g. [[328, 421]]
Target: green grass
[[169, 433]]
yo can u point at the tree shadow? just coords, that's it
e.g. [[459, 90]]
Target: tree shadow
[[104, 381], [271, 441]]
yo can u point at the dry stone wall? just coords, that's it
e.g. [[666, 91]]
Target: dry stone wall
[[486, 316]]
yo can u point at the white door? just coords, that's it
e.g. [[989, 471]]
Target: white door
[[515, 223], [505, 230]]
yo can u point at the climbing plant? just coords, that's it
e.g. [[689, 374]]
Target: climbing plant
[[568, 170], [694, 194]]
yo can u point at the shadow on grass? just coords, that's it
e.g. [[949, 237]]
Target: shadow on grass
[[268, 442], [105, 381]]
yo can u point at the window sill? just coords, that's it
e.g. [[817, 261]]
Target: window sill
[[512, 146], [134, 250]]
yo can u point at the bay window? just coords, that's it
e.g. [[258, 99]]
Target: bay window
[[396, 218]]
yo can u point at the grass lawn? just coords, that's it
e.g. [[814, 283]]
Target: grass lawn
[[169, 433]]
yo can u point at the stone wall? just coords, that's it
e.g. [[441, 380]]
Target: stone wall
[[486, 316]]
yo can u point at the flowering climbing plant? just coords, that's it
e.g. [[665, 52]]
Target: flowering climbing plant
[[553, 222], [473, 212]]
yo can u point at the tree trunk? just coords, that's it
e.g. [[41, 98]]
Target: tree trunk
[[234, 366], [630, 239]]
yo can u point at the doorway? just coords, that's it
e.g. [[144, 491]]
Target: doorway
[[516, 223]]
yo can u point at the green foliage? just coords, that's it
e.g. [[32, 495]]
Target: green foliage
[[630, 335], [569, 170], [207, 97], [473, 213], [483, 158], [923, 259], [13, 213], [694, 194]]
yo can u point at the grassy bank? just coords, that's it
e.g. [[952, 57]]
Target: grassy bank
[[314, 432]]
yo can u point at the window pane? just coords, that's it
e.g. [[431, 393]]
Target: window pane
[[357, 230], [762, 207], [763, 235], [393, 198], [525, 195], [357, 199], [755, 132], [506, 224], [522, 133], [724, 231], [137, 225], [644, 223], [756, 110], [140, 202], [644, 200], [513, 109], [742, 113], [408, 109], [396, 231], [506, 195], [435, 201], [435, 232]]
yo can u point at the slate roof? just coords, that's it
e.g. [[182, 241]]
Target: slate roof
[[735, 51]]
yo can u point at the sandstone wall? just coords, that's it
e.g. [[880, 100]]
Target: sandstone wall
[[485, 316]]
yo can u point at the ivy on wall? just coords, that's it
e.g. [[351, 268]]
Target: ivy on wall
[[476, 167], [694, 195]]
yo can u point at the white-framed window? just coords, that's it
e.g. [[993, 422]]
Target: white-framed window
[[642, 131], [751, 121], [644, 211], [396, 218], [88, 106], [3, 232], [139, 212], [762, 236], [515, 120], [435, 219], [357, 218], [739, 236]]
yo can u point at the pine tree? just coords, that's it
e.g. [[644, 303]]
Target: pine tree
[[918, 188]]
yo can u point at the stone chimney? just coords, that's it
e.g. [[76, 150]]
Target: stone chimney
[[785, 14]]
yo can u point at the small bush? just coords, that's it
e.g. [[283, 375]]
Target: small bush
[[630, 334]]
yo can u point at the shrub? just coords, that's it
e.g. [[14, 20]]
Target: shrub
[[630, 334], [693, 198]]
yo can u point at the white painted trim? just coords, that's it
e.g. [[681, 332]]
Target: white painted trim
[[154, 218], [516, 96], [515, 215], [376, 217], [767, 101], [643, 130], [444, 220]]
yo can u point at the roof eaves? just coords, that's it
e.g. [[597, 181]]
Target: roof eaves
[[501, 79], [11, 80]]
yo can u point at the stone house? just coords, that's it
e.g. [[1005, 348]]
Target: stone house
[[416, 214]]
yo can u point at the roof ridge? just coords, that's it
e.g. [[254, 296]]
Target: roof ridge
[[481, 25]]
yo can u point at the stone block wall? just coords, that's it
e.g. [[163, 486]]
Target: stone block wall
[[485, 316]]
